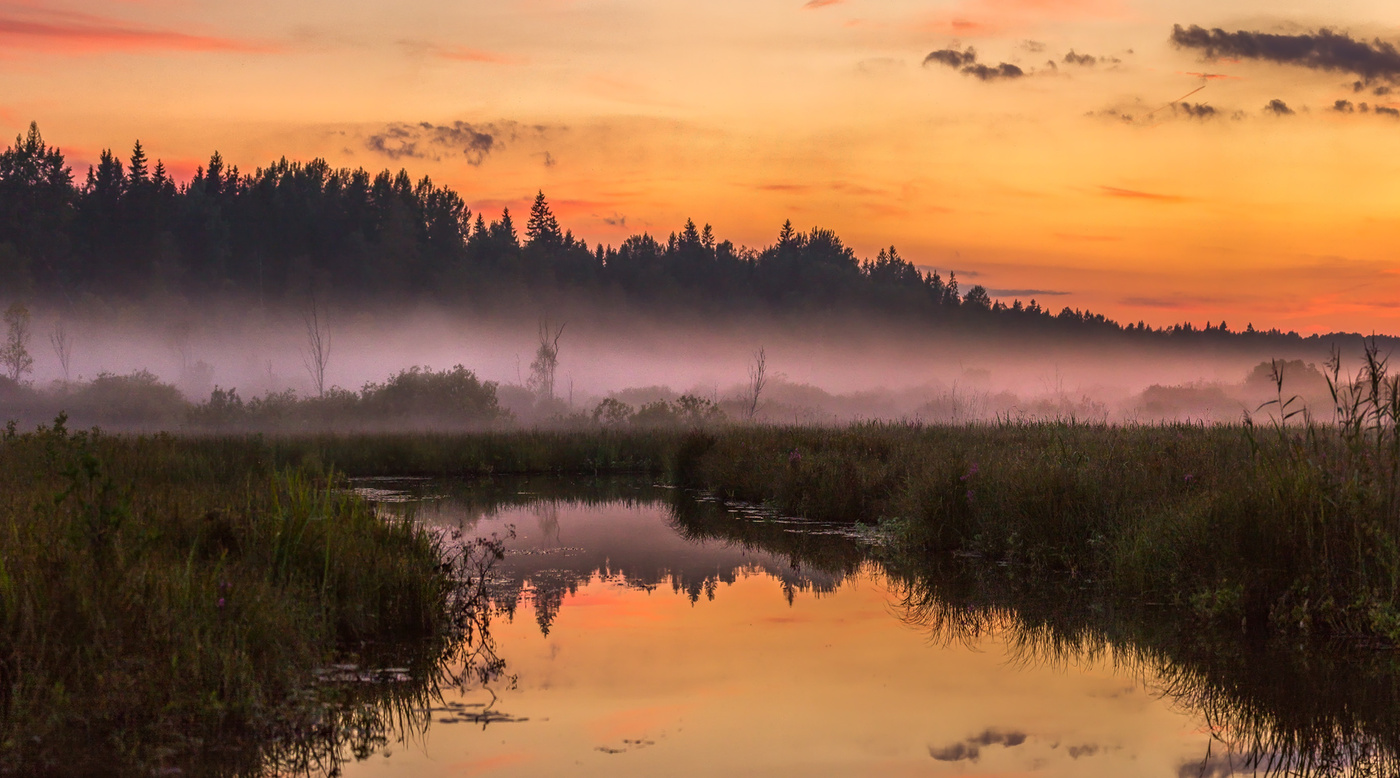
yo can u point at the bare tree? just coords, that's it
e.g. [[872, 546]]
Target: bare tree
[[62, 347], [758, 378], [546, 360], [318, 345], [14, 357]]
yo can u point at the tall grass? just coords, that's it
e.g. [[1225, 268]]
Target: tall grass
[[1293, 526], [158, 603]]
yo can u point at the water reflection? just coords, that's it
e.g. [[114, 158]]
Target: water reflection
[[630, 677], [1271, 708]]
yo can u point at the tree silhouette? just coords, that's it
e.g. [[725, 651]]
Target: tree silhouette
[[129, 230]]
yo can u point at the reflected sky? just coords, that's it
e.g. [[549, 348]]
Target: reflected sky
[[637, 651]]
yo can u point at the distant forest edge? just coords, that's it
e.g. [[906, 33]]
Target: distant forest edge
[[130, 232]]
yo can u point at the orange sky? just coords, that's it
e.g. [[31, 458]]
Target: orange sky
[[636, 114]]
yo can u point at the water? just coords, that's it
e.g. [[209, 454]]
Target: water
[[645, 632]]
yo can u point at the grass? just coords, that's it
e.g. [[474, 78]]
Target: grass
[[160, 604]]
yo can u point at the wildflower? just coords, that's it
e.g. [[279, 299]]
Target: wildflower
[[1190, 478], [794, 457], [969, 495], [221, 602]]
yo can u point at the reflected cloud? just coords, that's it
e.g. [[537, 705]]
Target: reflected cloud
[[970, 750]]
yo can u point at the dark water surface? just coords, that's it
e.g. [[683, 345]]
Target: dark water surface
[[652, 633]]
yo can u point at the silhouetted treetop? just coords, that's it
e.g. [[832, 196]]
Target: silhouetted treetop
[[129, 231]]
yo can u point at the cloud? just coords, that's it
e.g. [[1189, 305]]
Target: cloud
[[72, 33], [1089, 60], [1278, 107], [1195, 110], [1088, 749], [1392, 112], [1323, 50], [952, 57], [987, 73], [1133, 194], [992, 737], [425, 140], [970, 750], [1343, 106], [812, 5], [1026, 293], [955, 753], [966, 62]]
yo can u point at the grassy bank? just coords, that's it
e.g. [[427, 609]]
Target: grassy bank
[[1291, 530], [162, 604]]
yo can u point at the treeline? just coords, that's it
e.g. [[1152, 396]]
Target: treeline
[[128, 230], [416, 399]]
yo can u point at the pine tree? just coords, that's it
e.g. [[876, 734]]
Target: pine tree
[[136, 171], [542, 229]]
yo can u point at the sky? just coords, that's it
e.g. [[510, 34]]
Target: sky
[[1100, 154]]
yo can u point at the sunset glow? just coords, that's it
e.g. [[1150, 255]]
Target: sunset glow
[[1100, 154]]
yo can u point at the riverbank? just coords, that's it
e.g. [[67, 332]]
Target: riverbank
[[1276, 529], [158, 605]]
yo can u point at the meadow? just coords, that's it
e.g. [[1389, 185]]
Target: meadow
[[164, 596]]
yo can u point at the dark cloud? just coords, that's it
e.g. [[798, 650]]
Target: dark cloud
[[396, 142], [616, 220], [1323, 50], [993, 737], [955, 753], [971, 749], [1089, 60], [952, 57], [1391, 112], [1343, 106], [1278, 107], [1381, 91], [966, 62], [1088, 749], [1195, 110], [988, 73], [426, 140]]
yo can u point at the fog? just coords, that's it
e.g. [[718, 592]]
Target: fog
[[819, 369]]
